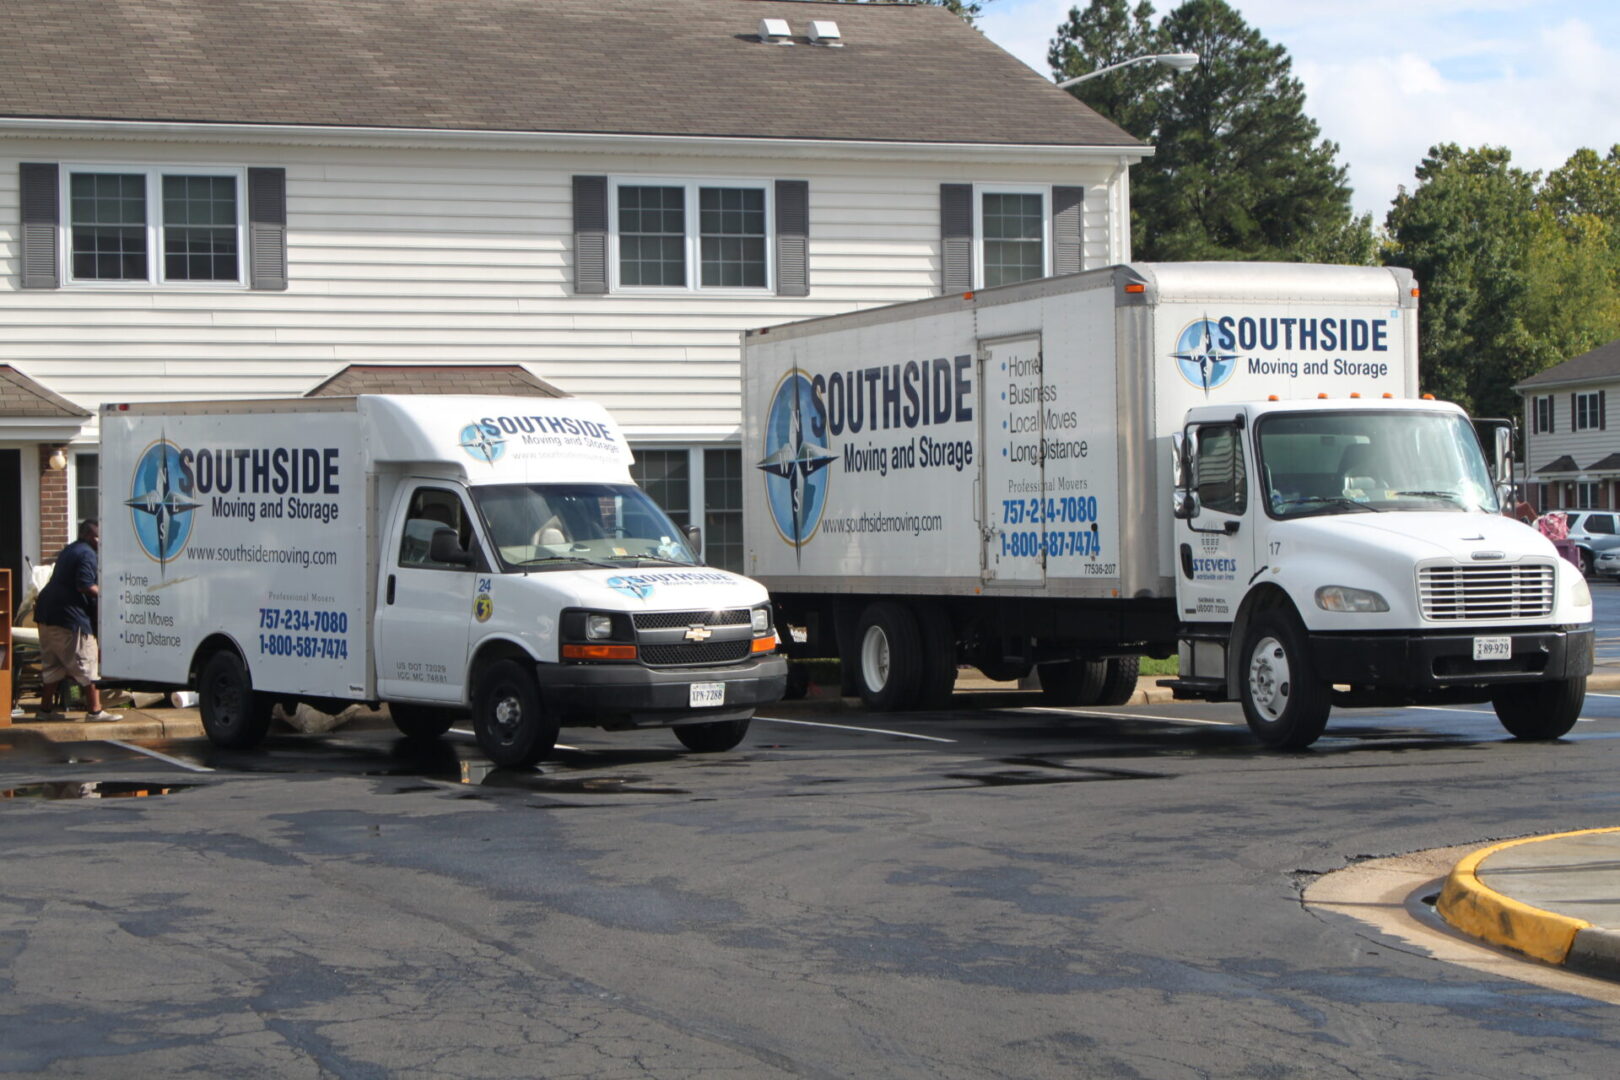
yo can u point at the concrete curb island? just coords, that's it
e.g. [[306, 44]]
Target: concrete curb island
[[1558, 882]]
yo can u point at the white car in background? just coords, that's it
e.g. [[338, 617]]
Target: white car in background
[[1594, 532]]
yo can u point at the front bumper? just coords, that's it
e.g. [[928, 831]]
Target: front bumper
[[630, 695], [1441, 660]]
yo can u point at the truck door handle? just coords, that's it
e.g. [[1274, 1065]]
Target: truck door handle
[[391, 586], [1186, 567]]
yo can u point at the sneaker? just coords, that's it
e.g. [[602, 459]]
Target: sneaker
[[101, 717]]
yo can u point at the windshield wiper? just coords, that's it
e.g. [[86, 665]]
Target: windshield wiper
[[1330, 500], [566, 558], [1450, 496], [661, 559]]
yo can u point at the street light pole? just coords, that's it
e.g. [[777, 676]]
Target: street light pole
[[1173, 61]]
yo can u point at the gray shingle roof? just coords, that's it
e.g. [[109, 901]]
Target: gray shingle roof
[[906, 73], [1601, 363], [1558, 465], [498, 380], [22, 397]]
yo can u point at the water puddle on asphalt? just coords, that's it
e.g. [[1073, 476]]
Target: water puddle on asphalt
[[95, 789]]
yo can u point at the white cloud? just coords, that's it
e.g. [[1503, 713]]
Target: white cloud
[[1388, 79]]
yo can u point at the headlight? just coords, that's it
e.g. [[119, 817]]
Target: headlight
[[598, 627], [761, 619], [1579, 593], [1344, 598]]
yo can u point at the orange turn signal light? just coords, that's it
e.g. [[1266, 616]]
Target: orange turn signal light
[[1428, 397], [599, 652], [764, 644], [1135, 287]]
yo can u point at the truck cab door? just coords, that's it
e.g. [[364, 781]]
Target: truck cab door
[[425, 607], [1215, 543]]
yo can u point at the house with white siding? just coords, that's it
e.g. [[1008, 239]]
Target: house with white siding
[[229, 199], [1571, 456]]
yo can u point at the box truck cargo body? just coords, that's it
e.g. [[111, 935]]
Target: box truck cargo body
[[447, 555], [1226, 462]]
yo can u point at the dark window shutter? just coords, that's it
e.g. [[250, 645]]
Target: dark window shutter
[[1551, 410], [1068, 229], [40, 217], [267, 228], [1574, 416], [956, 237], [1603, 410], [590, 234], [792, 238]]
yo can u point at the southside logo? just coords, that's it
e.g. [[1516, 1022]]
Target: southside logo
[[1199, 359], [482, 445], [795, 460], [160, 501]]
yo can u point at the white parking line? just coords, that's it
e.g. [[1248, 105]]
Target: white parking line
[[852, 727], [1128, 716], [160, 757]]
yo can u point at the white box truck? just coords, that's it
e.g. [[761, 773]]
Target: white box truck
[[1225, 462], [444, 554]]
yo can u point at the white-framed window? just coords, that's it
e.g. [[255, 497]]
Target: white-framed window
[[690, 235], [1586, 495], [84, 489], [1589, 411], [1544, 414], [1013, 225], [146, 225], [708, 477]]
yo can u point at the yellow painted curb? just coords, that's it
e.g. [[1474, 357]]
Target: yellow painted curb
[[1476, 909]]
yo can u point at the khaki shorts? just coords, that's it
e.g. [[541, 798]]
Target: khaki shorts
[[67, 653]]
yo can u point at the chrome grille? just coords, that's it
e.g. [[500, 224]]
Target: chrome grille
[[1523, 591], [668, 620]]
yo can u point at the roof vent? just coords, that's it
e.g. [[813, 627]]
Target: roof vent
[[775, 32], [825, 32]]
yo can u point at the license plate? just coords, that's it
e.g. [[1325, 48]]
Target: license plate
[[707, 693], [1493, 648]]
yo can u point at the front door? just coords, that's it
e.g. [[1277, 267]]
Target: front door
[[11, 552], [426, 607], [1215, 547]]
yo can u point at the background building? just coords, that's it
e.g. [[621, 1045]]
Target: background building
[[214, 198]]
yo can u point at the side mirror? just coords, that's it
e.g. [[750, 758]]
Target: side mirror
[[1178, 460], [1186, 505], [1504, 455], [694, 539], [444, 547]]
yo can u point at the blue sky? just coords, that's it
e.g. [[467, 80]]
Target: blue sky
[[1387, 79]]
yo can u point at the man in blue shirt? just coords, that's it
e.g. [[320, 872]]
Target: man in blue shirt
[[66, 613]]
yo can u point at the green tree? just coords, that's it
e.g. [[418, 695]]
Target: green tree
[[968, 9], [1517, 274], [1239, 170]]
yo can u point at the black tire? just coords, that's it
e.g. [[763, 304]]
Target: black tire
[[421, 721], [234, 715], [512, 728], [712, 738], [936, 675], [1540, 711], [1119, 680], [1284, 702], [887, 648], [1072, 682]]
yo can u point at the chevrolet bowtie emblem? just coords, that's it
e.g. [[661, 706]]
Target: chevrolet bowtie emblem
[[698, 632]]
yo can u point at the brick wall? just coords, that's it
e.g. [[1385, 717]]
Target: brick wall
[[53, 505]]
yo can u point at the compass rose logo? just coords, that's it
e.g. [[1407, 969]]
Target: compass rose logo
[[795, 483], [160, 503], [481, 445], [1198, 359]]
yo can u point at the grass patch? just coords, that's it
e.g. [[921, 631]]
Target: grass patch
[[1167, 666]]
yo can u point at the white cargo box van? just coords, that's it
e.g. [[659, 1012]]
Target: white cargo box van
[[447, 555], [1226, 462]]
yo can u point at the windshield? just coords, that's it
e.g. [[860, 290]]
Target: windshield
[[562, 526], [1357, 462]]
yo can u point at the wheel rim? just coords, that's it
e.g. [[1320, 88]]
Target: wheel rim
[[507, 714], [227, 701], [1269, 681], [875, 658]]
